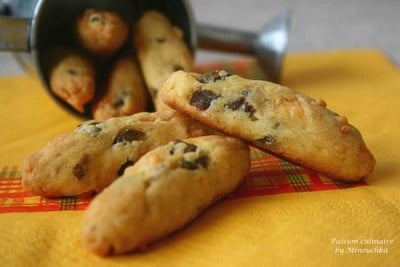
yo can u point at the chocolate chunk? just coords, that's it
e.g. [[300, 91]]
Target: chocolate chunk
[[202, 99], [172, 150], [267, 140], [188, 165], [81, 168], [213, 76], [241, 103], [276, 125], [120, 101], [178, 67], [160, 40], [235, 105], [188, 148], [128, 135], [94, 18], [194, 165], [93, 128], [121, 169], [251, 110], [72, 72], [202, 161]]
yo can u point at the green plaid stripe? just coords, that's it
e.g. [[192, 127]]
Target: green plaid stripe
[[342, 184], [68, 203], [6, 172], [296, 179]]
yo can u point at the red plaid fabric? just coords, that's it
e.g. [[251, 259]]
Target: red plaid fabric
[[268, 176]]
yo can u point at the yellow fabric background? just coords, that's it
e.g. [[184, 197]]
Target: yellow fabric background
[[295, 229]]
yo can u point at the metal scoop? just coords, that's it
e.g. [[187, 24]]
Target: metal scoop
[[30, 27]]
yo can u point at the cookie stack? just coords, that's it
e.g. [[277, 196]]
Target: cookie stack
[[174, 163], [117, 65]]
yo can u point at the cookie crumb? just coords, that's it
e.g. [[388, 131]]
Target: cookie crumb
[[213, 76], [321, 103], [345, 129]]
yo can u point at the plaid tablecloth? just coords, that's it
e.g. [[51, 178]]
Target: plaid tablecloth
[[283, 215], [268, 175]]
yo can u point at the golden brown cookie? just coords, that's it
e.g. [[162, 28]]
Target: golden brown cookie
[[96, 153], [168, 187], [72, 77], [101, 32], [124, 90], [273, 118], [161, 50]]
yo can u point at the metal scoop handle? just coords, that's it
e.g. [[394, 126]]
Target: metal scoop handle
[[269, 45], [14, 34]]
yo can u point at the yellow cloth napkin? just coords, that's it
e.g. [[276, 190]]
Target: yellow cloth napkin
[[345, 227]]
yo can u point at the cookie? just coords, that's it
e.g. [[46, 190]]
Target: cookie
[[168, 187], [124, 93], [101, 32], [72, 77], [161, 50], [273, 118], [96, 153]]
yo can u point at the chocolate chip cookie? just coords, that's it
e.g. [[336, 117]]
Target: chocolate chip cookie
[[101, 32], [72, 77], [96, 153], [168, 187], [161, 50], [124, 93], [273, 118]]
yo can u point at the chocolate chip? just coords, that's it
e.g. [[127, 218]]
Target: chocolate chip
[[194, 165], [188, 148], [94, 18], [72, 72], [235, 105], [202, 99], [241, 103], [178, 67], [189, 165], [128, 135], [92, 128], [251, 110], [81, 168], [121, 169], [95, 124], [172, 150], [161, 40], [276, 125], [120, 101], [267, 140], [213, 76], [202, 161]]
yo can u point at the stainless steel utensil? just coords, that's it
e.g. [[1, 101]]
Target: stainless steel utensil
[[30, 27]]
